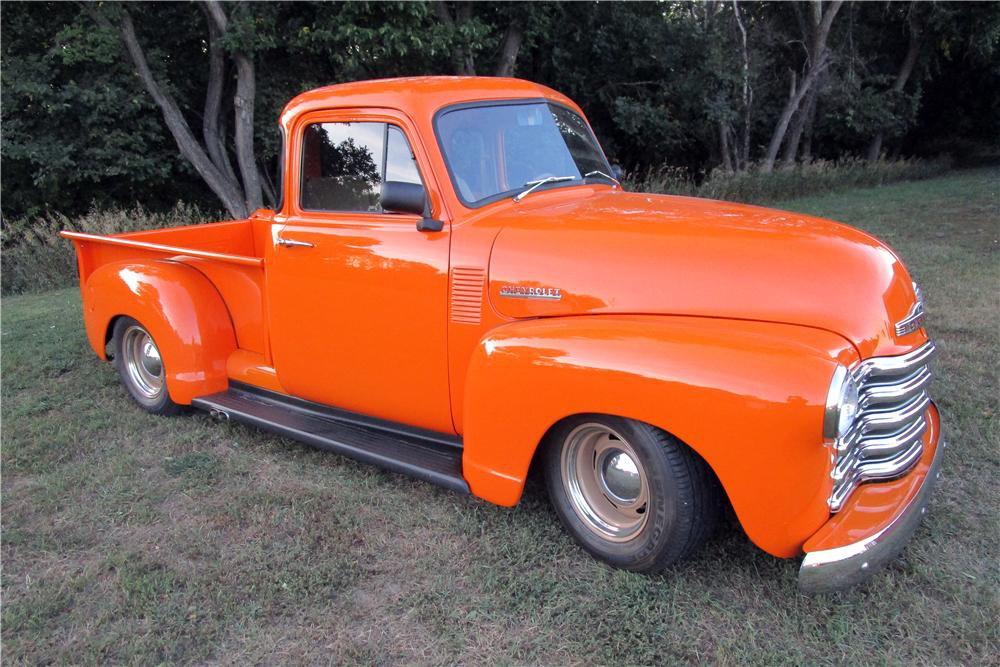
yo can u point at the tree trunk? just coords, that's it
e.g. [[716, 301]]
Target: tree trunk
[[511, 46], [727, 162], [243, 107], [243, 103], [227, 190], [819, 58], [743, 157], [807, 133], [210, 129], [875, 147], [905, 70], [462, 60], [268, 187], [799, 122]]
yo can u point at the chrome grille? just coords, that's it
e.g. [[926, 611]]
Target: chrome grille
[[887, 437]]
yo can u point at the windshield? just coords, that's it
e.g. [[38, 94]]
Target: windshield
[[498, 150]]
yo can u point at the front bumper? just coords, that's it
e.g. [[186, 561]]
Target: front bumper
[[875, 525]]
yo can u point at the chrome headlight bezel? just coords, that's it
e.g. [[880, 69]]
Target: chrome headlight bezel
[[843, 402]]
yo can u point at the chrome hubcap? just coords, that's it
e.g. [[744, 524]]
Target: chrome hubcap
[[605, 482], [619, 476], [142, 362]]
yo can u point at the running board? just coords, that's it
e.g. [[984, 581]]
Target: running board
[[430, 456]]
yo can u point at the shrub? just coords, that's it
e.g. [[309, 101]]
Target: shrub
[[755, 187], [36, 258]]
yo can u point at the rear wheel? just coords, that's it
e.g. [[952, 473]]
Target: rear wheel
[[140, 367], [631, 494]]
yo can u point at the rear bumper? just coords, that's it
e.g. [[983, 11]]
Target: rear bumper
[[874, 526]]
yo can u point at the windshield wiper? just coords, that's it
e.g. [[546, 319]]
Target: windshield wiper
[[539, 183], [597, 172]]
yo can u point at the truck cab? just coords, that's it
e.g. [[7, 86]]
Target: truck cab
[[456, 286]]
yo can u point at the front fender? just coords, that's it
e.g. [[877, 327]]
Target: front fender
[[181, 309], [747, 396]]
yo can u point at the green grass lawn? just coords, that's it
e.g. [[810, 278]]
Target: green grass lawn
[[132, 538]]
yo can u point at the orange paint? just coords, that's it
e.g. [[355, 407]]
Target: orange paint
[[718, 322]]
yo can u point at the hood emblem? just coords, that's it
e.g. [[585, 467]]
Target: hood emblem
[[518, 292], [915, 317]]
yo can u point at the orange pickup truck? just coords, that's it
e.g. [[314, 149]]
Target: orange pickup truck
[[456, 286]]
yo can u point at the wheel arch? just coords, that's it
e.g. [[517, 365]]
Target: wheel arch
[[727, 389], [110, 330], [180, 308], [547, 438]]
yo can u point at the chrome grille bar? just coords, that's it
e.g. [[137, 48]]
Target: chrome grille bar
[[887, 438], [880, 366], [895, 417], [879, 393]]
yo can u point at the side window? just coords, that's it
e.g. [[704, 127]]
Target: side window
[[400, 164], [342, 166]]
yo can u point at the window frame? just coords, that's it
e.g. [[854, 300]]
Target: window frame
[[479, 203], [386, 117], [302, 165]]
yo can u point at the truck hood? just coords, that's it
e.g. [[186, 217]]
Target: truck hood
[[600, 251]]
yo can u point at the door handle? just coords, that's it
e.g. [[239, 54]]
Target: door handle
[[291, 243]]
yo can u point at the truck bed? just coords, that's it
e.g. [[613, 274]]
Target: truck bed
[[230, 254]]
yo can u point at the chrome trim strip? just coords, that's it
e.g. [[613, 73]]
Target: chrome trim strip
[[854, 470], [891, 392], [832, 570], [904, 414], [889, 445], [879, 366]]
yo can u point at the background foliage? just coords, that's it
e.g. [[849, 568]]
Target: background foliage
[[664, 83]]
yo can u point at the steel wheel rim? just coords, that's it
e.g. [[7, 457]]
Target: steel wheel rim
[[142, 362], [605, 482]]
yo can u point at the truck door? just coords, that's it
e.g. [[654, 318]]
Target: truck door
[[357, 297]]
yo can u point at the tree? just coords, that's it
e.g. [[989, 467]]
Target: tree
[[743, 156], [236, 34], [472, 33], [209, 160], [122, 110], [818, 59], [905, 70], [77, 130]]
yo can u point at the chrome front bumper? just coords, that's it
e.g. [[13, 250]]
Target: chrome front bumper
[[836, 569]]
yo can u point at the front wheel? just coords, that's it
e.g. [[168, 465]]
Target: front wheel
[[631, 494], [140, 367]]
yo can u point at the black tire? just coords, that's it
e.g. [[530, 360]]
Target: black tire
[[682, 503], [147, 389]]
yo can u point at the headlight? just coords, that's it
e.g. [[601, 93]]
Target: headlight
[[842, 404]]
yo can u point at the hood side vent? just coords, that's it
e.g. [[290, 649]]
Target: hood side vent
[[467, 294]]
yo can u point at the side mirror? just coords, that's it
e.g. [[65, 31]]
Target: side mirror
[[400, 197], [617, 172]]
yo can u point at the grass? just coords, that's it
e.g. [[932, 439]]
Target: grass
[[755, 187], [136, 539]]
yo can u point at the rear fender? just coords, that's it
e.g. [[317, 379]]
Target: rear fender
[[181, 309], [748, 397]]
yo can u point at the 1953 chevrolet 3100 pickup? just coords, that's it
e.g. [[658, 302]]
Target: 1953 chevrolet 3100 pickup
[[455, 286]]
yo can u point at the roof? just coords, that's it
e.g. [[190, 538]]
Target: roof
[[418, 95]]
